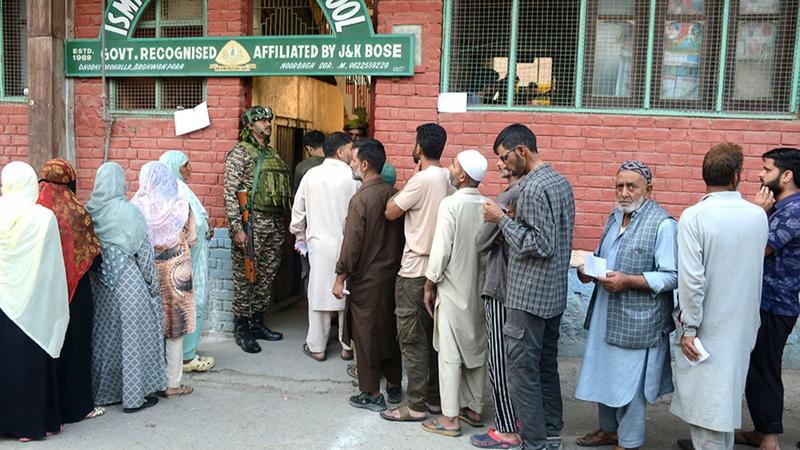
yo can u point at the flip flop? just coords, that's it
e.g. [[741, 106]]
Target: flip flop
[[435, 427], [311, 354], [405, 415]]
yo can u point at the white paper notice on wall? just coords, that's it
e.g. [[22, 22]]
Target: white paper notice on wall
[[188, 120], [453, 102]]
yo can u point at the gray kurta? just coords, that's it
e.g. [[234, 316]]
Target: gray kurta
[[721, 243], [128, 339], [611, 374], [456, 266]]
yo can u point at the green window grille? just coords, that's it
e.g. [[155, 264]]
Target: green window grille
[[14, 51], [155, 96], [731, 58]]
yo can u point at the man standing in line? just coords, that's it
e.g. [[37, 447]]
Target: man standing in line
[[419, 202], [368, 263], [721, 243], [454, 278], [318, 217], [357, 131], [312, 143], [627, 362], [780, 181], [254, 167], [490, 240], [540, 244]]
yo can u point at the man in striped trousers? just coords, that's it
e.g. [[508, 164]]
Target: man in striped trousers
[[490, 240]]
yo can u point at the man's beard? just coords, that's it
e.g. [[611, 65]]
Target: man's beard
[[773, 186], [358, 175], [452, 180], [632, 207]]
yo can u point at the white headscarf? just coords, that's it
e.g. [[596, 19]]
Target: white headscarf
[[33, 282], [175, 159]]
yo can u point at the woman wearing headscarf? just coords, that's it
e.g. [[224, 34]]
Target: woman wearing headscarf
[[171, 228], [80, 248], [178, 162], [128, 336], [34, 308]]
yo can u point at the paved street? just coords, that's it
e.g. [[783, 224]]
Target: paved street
[[282, 399]]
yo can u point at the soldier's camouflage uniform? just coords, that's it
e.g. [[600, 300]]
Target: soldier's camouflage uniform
[[268, 229]]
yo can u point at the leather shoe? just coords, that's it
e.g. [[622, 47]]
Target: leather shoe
[[597, 438], [261, 331]]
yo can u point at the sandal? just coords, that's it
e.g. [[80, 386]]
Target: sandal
[[96, 412], [597, 438], [434, 426], [199, 364], [181, 391], [465, 417], [405, 415], [490, 439], [149, 401], [352, 370], [313, 355]]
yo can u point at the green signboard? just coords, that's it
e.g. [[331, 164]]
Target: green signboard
[[354, 49]]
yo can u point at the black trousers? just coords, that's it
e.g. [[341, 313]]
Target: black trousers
[[764, 389]]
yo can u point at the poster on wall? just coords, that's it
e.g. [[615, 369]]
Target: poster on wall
[[683, 43]]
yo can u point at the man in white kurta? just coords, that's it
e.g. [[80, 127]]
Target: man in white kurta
[[318, 217], [721, 243], [455, 276]]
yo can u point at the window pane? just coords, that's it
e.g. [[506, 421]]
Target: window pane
[[181, 92], [686, 7], [479, 48], [755, 60], [547, 37], [135, 93], [613, 58], [15, 45], [683, 43], [759, 6], [615, 7], [176, 10]]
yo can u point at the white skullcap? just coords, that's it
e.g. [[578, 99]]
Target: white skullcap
[[473, 163]]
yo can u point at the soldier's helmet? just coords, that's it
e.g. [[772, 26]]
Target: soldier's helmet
[[256, 113]]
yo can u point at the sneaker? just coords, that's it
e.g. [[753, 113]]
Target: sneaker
[[394, 394], [553, 443], [365, 401]]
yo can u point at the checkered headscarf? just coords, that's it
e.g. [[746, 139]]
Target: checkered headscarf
[[639, 167]]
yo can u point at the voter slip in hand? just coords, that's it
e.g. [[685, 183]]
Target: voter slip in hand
[[301, 247], [700, 349], [594, 267]]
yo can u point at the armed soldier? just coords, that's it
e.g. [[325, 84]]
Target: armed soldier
[[252, 166]]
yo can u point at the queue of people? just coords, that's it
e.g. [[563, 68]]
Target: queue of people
[[104, 303]]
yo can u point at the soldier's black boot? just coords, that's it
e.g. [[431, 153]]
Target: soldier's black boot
[[261, 331], [244, 338]]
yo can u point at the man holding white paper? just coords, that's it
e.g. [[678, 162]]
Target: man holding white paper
[[627, 362], [721, 243]]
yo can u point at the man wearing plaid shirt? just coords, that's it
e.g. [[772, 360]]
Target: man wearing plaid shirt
[[540, 242]]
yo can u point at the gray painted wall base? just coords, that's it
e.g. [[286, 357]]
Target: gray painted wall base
[[573, 336]]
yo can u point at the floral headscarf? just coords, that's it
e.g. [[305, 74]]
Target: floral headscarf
[[164, 210], [79, 244]]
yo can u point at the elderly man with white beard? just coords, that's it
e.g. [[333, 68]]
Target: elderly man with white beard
[[627, 361]]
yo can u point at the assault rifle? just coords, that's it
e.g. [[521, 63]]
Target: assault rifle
[[250, 250]]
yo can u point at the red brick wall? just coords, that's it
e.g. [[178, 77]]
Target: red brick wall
[[13, 132], [137, 140], [587, 148]]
